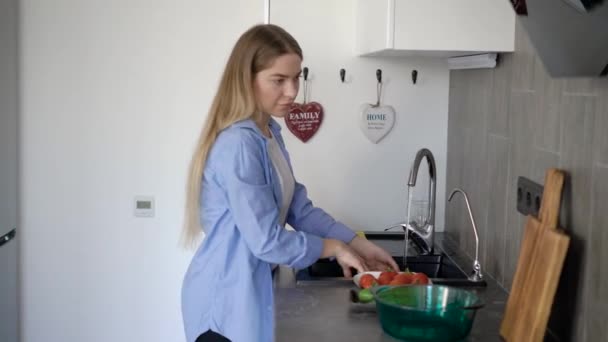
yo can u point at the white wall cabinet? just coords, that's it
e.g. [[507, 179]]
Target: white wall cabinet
[[433, 28]]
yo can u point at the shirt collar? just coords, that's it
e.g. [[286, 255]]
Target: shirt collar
[[249, 123]]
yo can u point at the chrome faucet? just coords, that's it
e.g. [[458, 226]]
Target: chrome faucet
[[476, 276], [427, 230]]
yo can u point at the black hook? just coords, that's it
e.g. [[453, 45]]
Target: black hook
[[305, 72], [342, 74], [379, 75], [414, 76]]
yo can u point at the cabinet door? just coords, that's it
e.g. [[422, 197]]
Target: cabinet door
[[374, 25], [463, 25]]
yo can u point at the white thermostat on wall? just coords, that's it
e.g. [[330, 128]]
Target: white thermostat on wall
[[144, 206]]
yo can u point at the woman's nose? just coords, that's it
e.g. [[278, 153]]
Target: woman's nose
[[291, 90]]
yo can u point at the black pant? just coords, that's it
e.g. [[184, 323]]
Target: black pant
[[211, 336]]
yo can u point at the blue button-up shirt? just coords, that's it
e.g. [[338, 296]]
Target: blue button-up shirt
[[228, 285]]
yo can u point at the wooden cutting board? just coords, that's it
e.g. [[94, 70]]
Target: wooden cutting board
[[541, 258]]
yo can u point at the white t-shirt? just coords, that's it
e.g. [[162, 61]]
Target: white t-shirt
[[285, 177]]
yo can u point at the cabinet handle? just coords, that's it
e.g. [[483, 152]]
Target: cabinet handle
[[4, 239]]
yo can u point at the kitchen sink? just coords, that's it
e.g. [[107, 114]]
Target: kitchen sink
[[439, 267]]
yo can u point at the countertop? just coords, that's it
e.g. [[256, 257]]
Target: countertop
[[323, 312]]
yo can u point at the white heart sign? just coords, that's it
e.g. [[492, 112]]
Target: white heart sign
[[376, 121]]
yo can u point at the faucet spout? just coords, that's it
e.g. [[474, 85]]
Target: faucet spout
[[477, 275], [416, 165], [426, 230]]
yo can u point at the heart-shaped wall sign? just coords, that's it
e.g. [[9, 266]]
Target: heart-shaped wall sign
[[303, 120], [377, 121]]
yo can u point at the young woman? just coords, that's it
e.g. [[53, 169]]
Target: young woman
[[242, 192]]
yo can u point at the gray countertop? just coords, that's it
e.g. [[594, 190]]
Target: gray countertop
[[322, 311]]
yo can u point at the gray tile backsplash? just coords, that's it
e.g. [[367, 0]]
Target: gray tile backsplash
[[598, 239], [514, 230], [498, 115], [597, 329], [577, 119], [547, 99], [581, 86], [524, 61], [494, 220], [601, 128], [522, 118], [516, 120]]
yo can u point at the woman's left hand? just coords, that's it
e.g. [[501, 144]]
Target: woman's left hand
[[376, 258]]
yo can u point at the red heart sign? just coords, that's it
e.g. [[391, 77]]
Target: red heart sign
[[303, 120]]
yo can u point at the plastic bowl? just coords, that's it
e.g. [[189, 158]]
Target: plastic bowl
[[426, 312]]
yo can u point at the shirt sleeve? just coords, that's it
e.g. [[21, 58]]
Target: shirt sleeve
[[305, 217], [253, 206]]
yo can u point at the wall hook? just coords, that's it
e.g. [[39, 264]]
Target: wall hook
[[305, 74], [414, 76], [342, 74], [378, 86]]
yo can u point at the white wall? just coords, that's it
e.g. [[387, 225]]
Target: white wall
[[361, 183], [113, 96]]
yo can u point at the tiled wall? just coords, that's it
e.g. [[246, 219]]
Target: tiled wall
[[516, 120]]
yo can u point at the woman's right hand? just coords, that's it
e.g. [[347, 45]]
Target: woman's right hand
[[346, 256]]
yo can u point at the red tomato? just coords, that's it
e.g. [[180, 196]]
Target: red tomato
[[390, 273], [402, 279], [420, 278], [386, 277], [367, 281]]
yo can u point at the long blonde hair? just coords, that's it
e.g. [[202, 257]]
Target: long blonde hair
[[234, 101]]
